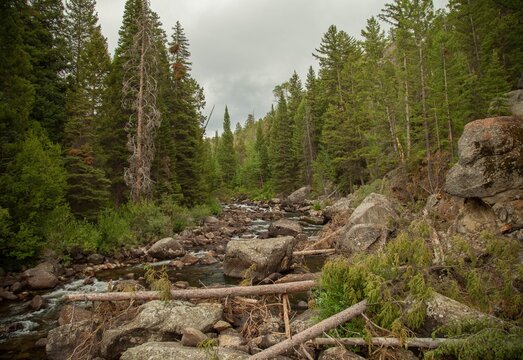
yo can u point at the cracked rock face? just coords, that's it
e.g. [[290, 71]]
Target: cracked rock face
[[490, 162], [173, 350]]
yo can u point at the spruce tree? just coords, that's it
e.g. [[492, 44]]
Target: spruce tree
[[281, 149], [226, 154]]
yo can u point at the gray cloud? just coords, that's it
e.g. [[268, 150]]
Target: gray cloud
[[241, 49]]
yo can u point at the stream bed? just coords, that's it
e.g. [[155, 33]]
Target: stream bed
[[21, 327]]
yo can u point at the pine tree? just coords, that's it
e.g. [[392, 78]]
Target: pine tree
[[226, 154], [184, 120], [47, 47], [281, 149], [260, 146]]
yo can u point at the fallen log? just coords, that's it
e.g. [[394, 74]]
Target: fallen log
[[186, 294], [427, 343], [312, 332], [297, 277], [314, 252]]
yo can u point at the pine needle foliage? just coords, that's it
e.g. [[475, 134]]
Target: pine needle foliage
[[393, 282], [159, 281]]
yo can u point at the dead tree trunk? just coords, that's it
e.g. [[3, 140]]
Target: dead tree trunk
[[312, 332], [426, 343], [198, 293]]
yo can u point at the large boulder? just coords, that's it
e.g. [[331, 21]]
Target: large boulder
[[515, 102], [341, 206], [361, 237], [490, 164], [299, 196], [174, 350], [63, 341], [339, 353], [40, 278], [261, 256], [167, 248], [284, 227], [375, 209], [160, 320], [73, 314]]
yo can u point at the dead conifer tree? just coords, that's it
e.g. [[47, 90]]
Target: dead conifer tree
[[140, 91]]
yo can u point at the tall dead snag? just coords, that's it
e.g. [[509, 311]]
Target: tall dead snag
[[312, 332], [140, 92]]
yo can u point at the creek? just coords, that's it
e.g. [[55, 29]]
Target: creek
[[21, 327]]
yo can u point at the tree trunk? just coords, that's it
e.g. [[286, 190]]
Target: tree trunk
[[186, 294], [407, 108], [314, 252], [447, 105], [312, 332], [427, 343], [425, 115]]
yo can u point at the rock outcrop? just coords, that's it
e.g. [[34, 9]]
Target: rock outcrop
[[361, 237], [63, 340], [490, 167], [167, 248], [375, 209], [174, 350], [490, 164], [341, 206], [261, 256]]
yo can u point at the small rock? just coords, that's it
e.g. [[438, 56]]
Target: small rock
[[340, 353], [208, 259], [41, 342], [230, 341], [37, 303], [181, 284], [284, 227], [193, 337], [210, 220], [38, 278], [177, 263], [17, 287], [89, 281], [209, 235], [302, 305], [96, 259], [7, 295], [221, 326], [189, 259]]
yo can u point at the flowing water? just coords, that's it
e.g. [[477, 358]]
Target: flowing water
[[21, 327]]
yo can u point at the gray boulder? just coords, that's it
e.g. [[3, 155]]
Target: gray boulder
[[64, 340], [167, 248], [490, 164], [375, 209], [515, 102], [341, 206], [262, 256], [299, 196], [40, 278], [157, 321], [361, 237], [193, 337], [173, 350], [284, 227]]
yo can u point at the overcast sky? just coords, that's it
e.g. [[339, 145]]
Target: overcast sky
[[241, 49]]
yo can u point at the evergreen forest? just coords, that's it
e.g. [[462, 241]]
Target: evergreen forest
[[101, 151]]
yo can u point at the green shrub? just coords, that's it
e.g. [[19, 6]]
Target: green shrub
[[149, 222], [115, 230]]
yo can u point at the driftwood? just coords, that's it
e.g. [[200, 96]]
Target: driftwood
[[186, 294], [325, 241], [297, 277], [312, 332], [286, 306], [427, 343], [314, 252]]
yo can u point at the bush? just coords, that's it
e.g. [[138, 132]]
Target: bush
[[115, 230], [149, 222]]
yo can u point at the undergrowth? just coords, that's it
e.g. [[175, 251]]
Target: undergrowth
[[398, 281], [159, 281]]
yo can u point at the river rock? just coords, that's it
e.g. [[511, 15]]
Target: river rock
[[233, 341], [375, 209], [284, 227], [303, 321], [174, 350], [340, 353], [314, 220], [262, 256], [39, 278], [341, 206], [167, 248], [63, 340], [96, 259], [37, 302], [160, 320], [8, 295], [299, 196], [193, 337], [71, 314], [361, 237], [515, 102], [221, 326], [490, 164]]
